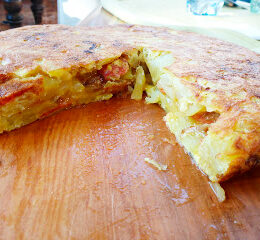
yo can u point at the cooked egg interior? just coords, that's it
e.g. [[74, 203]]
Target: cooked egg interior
[[191, 119], [143, 70], [52, 91]]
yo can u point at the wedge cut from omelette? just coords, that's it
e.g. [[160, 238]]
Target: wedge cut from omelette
[[209, 89]]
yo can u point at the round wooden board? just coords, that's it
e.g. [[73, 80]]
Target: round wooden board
[[81, 174]]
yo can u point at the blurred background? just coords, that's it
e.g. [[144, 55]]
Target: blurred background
[[235, 21], [50, 14]]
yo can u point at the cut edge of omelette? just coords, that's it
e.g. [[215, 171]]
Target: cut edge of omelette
[[218, 151], [37, 93], [221, 141]]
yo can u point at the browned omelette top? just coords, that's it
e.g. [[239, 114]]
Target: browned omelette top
[[227, 66]]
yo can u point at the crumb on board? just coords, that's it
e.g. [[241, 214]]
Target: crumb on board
[[167, 140], [218, 190], [159, 166], [150, 137], [143, 182]]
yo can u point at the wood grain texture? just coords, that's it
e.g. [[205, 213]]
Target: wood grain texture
[[81, 174]]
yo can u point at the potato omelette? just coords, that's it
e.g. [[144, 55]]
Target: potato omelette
[[210, 89]]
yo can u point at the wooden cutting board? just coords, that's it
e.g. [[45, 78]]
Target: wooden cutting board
[[81, 174]]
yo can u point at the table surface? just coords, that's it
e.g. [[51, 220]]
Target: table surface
[[81, 174], [100, 17], [173, 13]]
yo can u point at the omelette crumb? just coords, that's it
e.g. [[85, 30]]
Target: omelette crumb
[[151, 137], [167, 140], [218, 190], [143, 182], [160, 166]]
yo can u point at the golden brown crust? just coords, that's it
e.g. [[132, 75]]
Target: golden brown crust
[[14, 88], [62, 46], [230, 73], [240, 166], [226, 66]]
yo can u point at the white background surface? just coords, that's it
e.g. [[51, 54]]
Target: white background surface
[[161, 12], [71, 12], [173, 13]]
